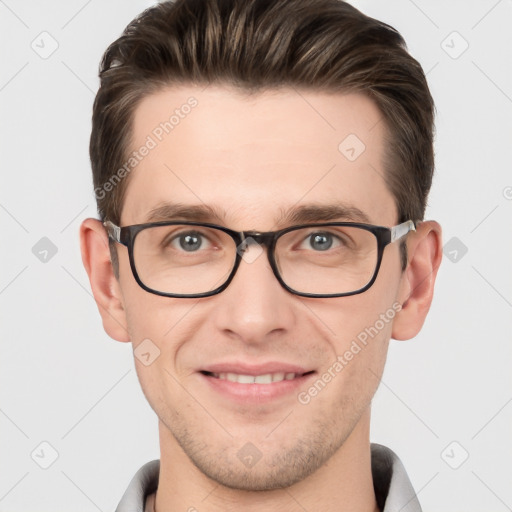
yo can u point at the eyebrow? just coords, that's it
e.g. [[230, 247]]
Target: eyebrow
[[297, 215], [324, 213], [178, 211]]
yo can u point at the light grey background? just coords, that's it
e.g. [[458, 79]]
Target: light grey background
[[445, 396]]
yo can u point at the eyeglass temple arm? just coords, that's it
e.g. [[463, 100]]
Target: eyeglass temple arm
[[401, 230], [113, 231]]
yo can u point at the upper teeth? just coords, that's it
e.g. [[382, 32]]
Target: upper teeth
[[268, 378]]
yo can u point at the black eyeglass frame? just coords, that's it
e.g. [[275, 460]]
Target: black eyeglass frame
[[126, 236]]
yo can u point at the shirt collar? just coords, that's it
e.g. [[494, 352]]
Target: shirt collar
[[393, 489]]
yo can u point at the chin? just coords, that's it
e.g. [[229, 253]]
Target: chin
[[254, 480], [264, 472]]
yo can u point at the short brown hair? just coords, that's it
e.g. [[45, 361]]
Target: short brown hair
[[323, 45]]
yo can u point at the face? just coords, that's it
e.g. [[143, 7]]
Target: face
[[251, 161]]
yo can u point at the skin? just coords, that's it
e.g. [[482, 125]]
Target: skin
[[250, 158]]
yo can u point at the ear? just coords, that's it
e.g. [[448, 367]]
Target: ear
[[424, 253], [105, 287]]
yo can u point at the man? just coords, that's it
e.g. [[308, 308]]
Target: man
[[262, 170]]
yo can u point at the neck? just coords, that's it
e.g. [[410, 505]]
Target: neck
[[342, 484]]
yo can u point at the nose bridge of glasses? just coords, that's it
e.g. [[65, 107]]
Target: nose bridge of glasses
[[255, 238]]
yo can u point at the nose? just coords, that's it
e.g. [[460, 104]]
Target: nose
[[254, 307]]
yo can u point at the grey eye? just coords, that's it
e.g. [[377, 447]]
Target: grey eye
[[321, 241], [190, 242]]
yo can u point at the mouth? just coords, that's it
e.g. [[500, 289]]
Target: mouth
[[257, 386], [266, 378]]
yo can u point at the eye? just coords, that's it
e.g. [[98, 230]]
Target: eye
[[190, 241], [321, 241]]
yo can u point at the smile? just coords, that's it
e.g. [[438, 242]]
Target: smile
[[251, 383], [267, 378]]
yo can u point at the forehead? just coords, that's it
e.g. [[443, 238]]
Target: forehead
[[251, 158]]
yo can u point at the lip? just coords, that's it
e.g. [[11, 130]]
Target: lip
[[255, 393]]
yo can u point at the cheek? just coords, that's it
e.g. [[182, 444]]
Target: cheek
[[160, 328], [147, 314], [155, 350], [362, 318], [144, 321], [361, 325], [376, 310]]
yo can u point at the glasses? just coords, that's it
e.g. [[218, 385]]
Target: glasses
[[192, 259]]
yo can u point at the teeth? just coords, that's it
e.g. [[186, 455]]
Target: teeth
[[267, 378], [263, 379], [245, 379]]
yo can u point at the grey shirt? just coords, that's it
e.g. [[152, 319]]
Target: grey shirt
[[393, 489]]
